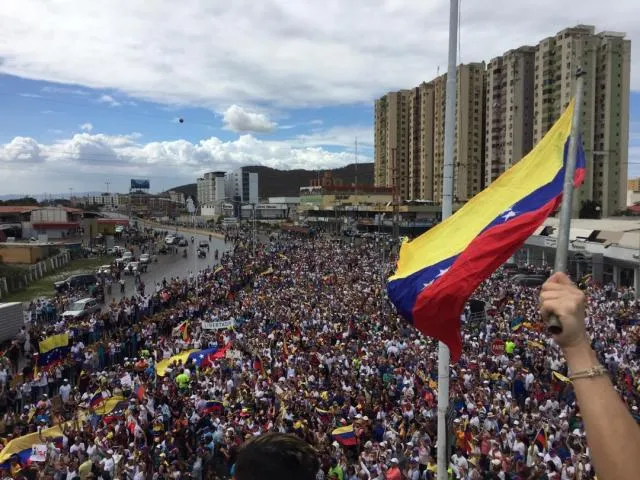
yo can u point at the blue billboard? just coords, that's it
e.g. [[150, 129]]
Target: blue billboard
[[139, 184]]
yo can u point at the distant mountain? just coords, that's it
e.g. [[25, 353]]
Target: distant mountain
[[286, 183], [41, 197]]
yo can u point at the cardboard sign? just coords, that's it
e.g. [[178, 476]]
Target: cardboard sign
[[38, 453]]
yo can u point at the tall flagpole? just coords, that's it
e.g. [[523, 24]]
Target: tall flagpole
[[564, 228], [447, 210]]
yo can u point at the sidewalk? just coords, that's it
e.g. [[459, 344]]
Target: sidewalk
[[200, 231]]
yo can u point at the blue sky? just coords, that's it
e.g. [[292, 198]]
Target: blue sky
[[94, 93]]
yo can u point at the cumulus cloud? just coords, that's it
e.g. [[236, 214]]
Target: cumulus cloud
[[85, 159], [20, 151], [109, 100], [237, 119], [277, 52], [86, 127]]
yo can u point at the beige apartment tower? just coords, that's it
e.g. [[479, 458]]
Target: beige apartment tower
[[503, 111], [606, 60], [391, 131], [468, 154], [421, 142], [509, 110]]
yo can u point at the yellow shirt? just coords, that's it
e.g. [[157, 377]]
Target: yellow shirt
[[85, 469], [182, 380]]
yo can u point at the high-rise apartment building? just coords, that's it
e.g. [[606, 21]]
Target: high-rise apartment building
[[468, 152], [391, 132], [503, 111], [421, 141], [412, 121], [605, 59], [509, 110]]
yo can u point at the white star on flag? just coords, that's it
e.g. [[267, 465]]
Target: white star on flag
[[442, 272], [507, 214], [427, 284]]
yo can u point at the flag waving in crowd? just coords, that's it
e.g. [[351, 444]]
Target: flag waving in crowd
[[438, 271]]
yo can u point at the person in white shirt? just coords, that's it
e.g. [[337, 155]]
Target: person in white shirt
[[65, 391]]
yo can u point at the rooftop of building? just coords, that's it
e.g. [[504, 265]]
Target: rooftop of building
[[621, 231], [19, 209]]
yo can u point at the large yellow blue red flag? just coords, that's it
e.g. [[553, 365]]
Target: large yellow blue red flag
[[438, 271]]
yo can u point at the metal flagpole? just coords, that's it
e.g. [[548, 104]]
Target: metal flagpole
[[562, 250], [447, 210]]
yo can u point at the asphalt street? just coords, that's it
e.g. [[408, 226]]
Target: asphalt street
[[174, 265]]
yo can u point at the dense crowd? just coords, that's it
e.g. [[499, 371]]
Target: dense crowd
[[316, 346]]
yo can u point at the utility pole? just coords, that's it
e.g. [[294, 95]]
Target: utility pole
[[357, 200], [107, 183], [396, 197], [444, 357]]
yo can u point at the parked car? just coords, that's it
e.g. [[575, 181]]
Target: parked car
[[133, 267], [127, 256], [145, 258], [204, 244], [183, 242], [81, 309], [169, 239], [104, 269], [80, 280]]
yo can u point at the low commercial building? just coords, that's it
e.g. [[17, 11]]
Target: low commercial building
[[607, 249]]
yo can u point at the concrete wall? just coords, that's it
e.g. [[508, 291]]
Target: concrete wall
[[35, 272], [23, 254]]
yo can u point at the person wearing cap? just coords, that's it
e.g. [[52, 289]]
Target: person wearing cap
[[393, 472], [65, 391], [614, 436]]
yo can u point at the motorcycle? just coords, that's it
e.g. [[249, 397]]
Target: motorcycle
[[201, 253], [209, 237], [192, 239], [216, 255]]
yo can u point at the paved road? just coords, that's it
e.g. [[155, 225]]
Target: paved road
[[170, 265]]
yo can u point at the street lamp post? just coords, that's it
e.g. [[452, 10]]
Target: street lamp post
[[253, 230]]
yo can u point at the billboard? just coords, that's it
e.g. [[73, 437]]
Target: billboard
[[139, 184]]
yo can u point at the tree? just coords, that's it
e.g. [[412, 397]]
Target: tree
[[20, 201], [590, 209]]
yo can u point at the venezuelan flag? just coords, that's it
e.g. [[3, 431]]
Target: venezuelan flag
[[438, 271], [541, 440], [182, 330], [205, 358], [323, 415], [53, 350], [181, 358], [345, 436], [21, 446], [97, 399], [214, 407]]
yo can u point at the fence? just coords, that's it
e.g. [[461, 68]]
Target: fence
[[33, 273]]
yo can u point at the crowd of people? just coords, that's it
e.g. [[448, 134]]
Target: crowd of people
[[314, 345]]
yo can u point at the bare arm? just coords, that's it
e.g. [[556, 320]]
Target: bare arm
[[612, 433]]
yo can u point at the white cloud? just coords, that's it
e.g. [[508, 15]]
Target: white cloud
[[340, 137], [30, 95], [277, 52], [109, 100], [18, 152], [86, 127], [83, 161], [237, 119], [65, 91]]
